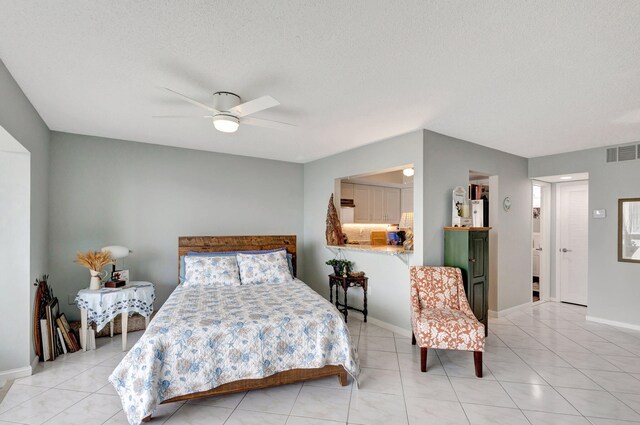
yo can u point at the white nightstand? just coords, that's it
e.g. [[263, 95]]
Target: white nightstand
[[103, 305]]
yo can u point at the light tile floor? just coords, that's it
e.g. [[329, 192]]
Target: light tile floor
[[543, 365]]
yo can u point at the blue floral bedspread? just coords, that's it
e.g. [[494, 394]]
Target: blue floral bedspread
[[204, 337]]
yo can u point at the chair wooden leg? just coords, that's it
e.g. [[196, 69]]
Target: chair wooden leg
[[413, 338], [477, 360], [423, 359]]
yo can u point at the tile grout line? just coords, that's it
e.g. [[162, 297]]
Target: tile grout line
[[575, 368], [404, 396]]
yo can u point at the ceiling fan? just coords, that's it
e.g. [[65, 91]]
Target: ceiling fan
[[227, 112]]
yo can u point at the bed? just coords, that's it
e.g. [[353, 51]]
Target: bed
[[208, 341]]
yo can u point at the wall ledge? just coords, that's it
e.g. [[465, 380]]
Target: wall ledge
[[613, 323]]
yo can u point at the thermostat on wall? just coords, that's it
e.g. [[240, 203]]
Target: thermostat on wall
[[599, 213]]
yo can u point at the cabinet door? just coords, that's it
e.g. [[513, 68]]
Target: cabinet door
[[478, 274], [392, 205], [361, 199], [346, 190], [376, 204], [407, 200]]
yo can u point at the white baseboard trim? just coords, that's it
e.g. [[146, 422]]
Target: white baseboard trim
[[385, 325], [21, 372], [555, 300], [613, 323], [495, 314], [34, 363]]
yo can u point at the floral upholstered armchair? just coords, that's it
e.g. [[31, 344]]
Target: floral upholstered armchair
[[441, 316]]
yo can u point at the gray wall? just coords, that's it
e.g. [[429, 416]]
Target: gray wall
[[143, 196], [447, 162], [21, 120], [388, 297], [613, 287], [441, 163]]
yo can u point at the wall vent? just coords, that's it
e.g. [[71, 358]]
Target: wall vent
[[623, 153], [627, 153]]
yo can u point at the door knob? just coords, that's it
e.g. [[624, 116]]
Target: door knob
[[565, 250]]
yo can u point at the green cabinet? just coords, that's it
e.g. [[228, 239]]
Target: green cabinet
[[468, 249]]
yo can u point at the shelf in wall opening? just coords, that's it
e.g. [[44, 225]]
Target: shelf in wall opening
[[395, 251]]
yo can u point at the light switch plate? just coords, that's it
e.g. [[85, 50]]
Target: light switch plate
[[599, 213]]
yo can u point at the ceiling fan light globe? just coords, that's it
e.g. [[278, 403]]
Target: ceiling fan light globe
[[226, 123]]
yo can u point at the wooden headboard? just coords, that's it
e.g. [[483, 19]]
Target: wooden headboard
[[237, 243]]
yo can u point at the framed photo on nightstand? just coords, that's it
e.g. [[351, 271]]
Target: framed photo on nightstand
[[120, 275]]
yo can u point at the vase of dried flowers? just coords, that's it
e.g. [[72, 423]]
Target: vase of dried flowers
[[96, 279], [95, 261]]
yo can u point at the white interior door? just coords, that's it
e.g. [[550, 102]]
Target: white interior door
[[572, 230]]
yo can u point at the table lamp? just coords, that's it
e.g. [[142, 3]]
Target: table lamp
[[117, 252]]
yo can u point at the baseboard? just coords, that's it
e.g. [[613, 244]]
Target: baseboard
[[613, 323], [21, 372], [552, 299], [495, 314], [34, 363], [385, 325]]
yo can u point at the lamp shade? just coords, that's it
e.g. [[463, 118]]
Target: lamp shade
[[226, 123], [406, 221], [117, 251]]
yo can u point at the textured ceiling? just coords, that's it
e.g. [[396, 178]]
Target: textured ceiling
[[526, 77]]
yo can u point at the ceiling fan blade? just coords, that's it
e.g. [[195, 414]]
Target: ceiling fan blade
[[253, 106], [194, 102], [182, 116], [267, 123]]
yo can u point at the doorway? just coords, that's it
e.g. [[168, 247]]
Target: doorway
[[15, 288], [572, 227], [540, 241]]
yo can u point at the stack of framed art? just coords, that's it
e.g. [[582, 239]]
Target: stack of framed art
[[51, 332]]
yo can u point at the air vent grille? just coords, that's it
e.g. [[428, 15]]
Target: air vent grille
[[623, 153], [627, 153]]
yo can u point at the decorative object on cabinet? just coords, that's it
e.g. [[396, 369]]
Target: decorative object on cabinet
[[346, 282], [408, 172], [441, 316], [95, 261], [468, 249], [460, 208], [629, 230], [333, 233]]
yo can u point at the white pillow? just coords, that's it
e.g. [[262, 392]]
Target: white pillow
[[211, 271], [271, 267]]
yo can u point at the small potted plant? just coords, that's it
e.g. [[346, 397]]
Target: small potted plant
[[340, 267]]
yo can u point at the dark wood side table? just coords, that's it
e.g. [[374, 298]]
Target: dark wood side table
[[345, 283]]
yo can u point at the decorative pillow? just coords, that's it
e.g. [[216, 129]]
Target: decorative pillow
[[233, 253], [271, 267], [212, 271]]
